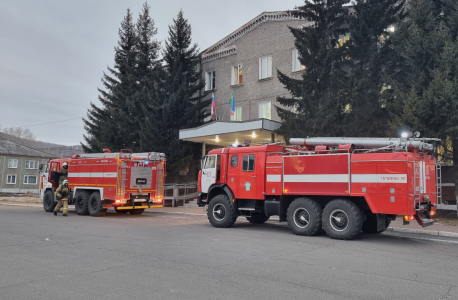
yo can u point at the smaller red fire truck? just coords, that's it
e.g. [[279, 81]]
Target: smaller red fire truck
[[343, 185], [125, 181]]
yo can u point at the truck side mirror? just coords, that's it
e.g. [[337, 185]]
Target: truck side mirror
[[41, 167]]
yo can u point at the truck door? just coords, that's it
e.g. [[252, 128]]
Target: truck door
[[248, 180], [208, 172]]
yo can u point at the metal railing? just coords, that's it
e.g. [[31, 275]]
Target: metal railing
[[179, 192]]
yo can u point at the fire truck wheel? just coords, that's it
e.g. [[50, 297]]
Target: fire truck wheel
[[370, 225], [121, 211], [304, 216], [95, 206], [220, 212], [81, 202], [342, 219], [48, 201], [136, 211], [258, 219]]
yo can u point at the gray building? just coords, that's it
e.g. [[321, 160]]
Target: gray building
[[19, 167], [245, 64]]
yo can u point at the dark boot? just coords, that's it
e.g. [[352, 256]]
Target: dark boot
[[55, 213], [65, 215]]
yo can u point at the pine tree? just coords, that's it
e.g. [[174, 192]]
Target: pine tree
[[315, 107], [178, 94], [369, 60], [111, 125]]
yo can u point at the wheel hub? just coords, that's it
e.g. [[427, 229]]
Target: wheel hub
[[301, 217], [339, 220], [219, 212]]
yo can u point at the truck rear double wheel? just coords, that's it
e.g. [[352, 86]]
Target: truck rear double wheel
[[370, 225], [95, 206], [221, 212], [342, 219], [137, 211], [81, 202], [304, 216]]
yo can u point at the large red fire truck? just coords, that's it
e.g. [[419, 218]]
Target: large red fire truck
[[343, 185], [125, 181]]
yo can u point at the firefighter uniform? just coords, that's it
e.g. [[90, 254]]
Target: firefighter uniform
[[63, 173], [62, 193]]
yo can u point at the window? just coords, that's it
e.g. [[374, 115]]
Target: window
[[248, 163], [11, 179], [265, 67], [12, 163], [237, 74], [265, 110], [31, 164], [29, 179], [210, 80], [297, 66], [342, 40], [210, 162], [234, 161], [237, 115]]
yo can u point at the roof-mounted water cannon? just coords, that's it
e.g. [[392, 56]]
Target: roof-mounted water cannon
[[371, 144]]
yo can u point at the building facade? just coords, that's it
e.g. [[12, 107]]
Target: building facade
[[19, 167], [243, 66]]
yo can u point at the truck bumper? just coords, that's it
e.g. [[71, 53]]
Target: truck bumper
[[200, 200]]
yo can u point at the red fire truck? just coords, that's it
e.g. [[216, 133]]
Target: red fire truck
[[343, 185], [125, 181]]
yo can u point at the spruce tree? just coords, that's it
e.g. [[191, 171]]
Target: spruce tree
[[369, 60], [178, 96], [315, 107], [111, 126]]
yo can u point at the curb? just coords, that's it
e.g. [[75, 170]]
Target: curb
[[425, 232], [174, 213]]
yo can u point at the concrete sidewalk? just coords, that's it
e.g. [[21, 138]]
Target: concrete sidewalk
[[191, 209]]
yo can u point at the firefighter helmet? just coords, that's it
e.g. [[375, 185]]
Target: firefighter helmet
[[65, 164], [65, 182]]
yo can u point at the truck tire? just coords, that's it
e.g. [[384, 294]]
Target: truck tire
[[258, 218], [370, 225], [220, 212], [342, 219], [81, 203], [48, 201], [121, 211], [136, 211], [95, 206], [304, 216]]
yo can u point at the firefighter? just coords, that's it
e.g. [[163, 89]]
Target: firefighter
[[62, 193], [63, 173]]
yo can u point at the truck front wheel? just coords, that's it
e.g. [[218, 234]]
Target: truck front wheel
[[95, 206], [304, 216], [48, 201], [220, 212], [342, 219]]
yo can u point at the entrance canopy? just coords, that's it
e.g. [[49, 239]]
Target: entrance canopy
[[223, 133]]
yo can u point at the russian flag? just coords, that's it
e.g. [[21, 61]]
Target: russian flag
[[213, 106], [232, 101]]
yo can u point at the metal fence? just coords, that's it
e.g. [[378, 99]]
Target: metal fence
[[178, 194]]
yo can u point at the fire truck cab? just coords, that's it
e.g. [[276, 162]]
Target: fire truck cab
[[125, 181], [343, 185]]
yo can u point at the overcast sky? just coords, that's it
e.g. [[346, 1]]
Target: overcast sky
[[53, 52]]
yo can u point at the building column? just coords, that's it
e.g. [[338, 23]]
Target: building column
[[204, 148], [272, 137]]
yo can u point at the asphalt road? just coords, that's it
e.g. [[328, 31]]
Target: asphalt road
[[163, 256]]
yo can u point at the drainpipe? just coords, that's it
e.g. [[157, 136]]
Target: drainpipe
[[204, 148], [3, 173], [20, 174]]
